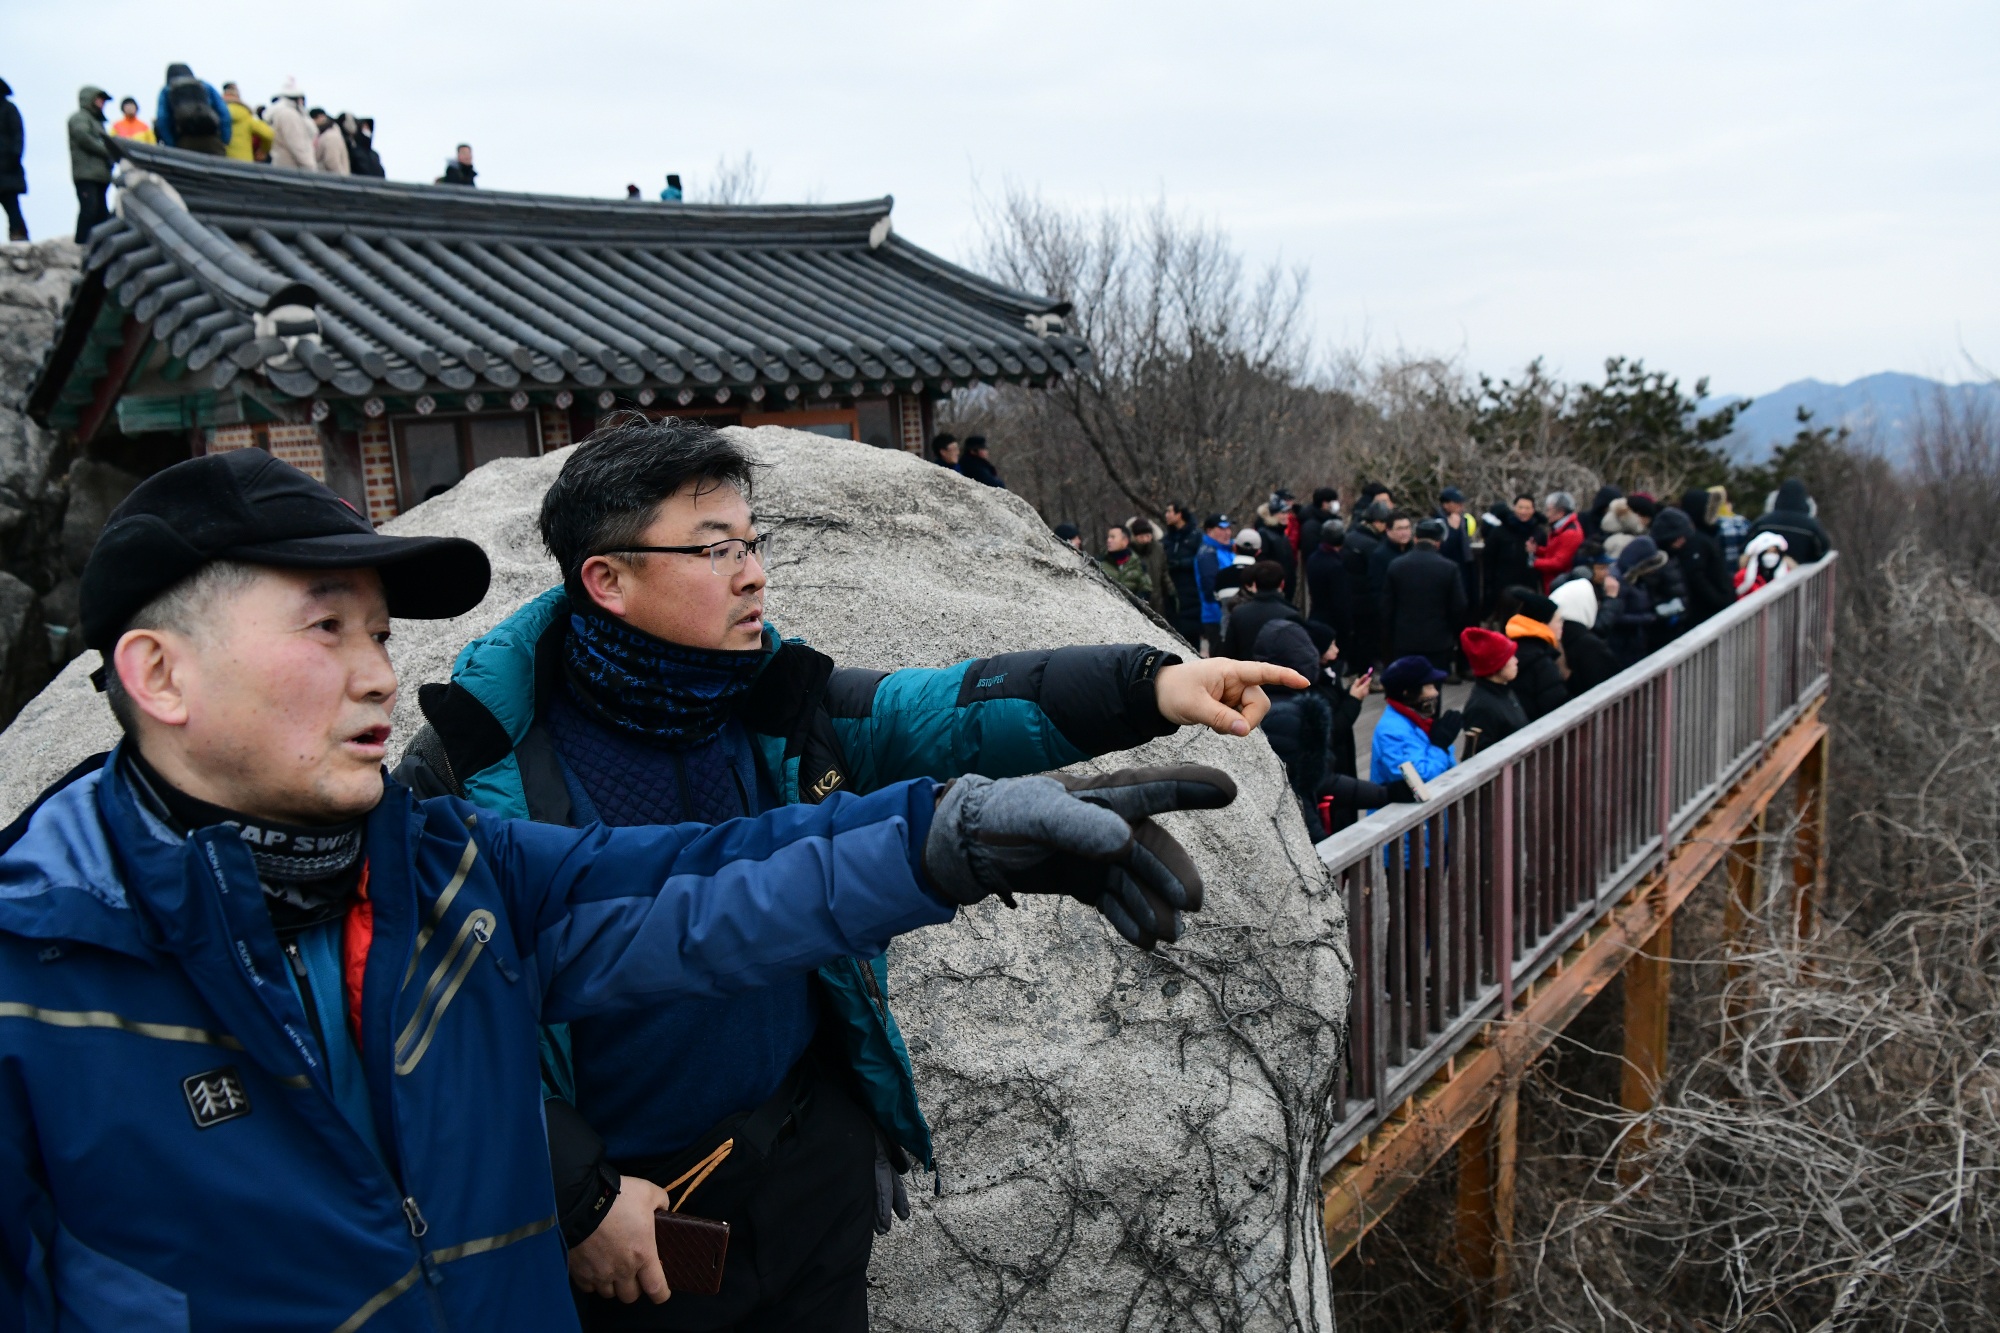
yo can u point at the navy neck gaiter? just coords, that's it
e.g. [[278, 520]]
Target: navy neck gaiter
[[644, 686]]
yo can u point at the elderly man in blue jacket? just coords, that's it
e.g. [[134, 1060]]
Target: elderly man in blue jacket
[[268, 1023], [648, 688]]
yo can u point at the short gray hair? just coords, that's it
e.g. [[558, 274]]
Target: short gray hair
[[183, 609], [1562, 500]]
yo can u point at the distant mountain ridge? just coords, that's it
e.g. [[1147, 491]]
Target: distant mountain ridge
[[1881, 411]]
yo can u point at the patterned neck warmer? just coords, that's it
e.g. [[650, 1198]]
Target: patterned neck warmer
[[649, 688], [308, 873]]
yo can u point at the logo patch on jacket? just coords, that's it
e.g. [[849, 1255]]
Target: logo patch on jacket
[[215, 1097], [828, 781]]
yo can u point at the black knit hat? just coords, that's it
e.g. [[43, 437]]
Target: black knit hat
[[247, 506]]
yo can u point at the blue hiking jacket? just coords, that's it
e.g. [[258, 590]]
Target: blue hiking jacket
[[1397, 739], [814, 729], [171, 1154], [1209, 562]]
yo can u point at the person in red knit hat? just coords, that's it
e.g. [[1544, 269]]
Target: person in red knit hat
[[1494, 710]]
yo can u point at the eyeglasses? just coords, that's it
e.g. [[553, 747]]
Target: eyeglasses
[[724, 557]]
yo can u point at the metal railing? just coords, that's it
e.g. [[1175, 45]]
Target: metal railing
[[1458, 904]]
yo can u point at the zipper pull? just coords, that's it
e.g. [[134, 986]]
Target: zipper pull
[[292, 956], [415, 1217]]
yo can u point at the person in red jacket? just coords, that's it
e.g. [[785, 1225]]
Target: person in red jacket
[[1557, 552]]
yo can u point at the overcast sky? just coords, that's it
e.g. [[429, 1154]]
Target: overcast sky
[[1753, 192]]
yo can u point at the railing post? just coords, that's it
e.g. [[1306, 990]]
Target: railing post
[[1502, 915], [1763, 676], [1666, 764]]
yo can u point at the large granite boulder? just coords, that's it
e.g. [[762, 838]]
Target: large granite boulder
[[1125, 1140]]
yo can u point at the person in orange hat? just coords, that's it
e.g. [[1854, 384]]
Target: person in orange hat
[[1494, 711]]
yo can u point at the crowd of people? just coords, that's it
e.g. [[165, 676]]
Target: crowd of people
[[1534, 601], [193, 114]]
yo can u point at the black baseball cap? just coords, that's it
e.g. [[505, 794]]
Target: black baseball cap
[[247, 506]]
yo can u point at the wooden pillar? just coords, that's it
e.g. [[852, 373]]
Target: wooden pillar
[[1809, 853], [1746, 899], [1506, 1157], [1648, 987], [1477, 1232], [1488, 1155]]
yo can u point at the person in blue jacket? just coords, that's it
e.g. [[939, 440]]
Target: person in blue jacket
[[1213, 556], [268, 1023], [1411, 729], [648, 688], [192, 115]]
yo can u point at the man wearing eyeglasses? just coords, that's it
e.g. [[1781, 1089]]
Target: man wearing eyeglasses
[[649, 689]]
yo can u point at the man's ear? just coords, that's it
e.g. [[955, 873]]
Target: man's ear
[[149, 664], [603, 581]]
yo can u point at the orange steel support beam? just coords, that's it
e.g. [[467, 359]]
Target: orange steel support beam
[[1362, 1189], [1478, 1232]]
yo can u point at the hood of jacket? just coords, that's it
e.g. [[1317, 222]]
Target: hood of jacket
[[1638, 551], [1792, 498], [86, 99], [1577, 601], [6, 89], [1671, 525], [179, 72], [1619, 516], [1602, 500], [1286, 643], [1700, 504]]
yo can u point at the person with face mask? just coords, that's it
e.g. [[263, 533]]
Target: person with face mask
[[1765, 562], [1412, 729]]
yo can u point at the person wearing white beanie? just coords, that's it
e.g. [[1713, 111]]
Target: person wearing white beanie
[[1591, 661]]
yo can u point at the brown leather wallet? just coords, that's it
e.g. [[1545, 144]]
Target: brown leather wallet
[[692, 1250]]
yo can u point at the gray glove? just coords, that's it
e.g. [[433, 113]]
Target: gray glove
[[1090, 838], [890, 1196]]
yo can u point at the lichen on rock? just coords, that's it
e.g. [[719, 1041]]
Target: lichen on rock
[[1125, 1140]]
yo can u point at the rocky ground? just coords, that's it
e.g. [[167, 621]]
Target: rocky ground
[[51, 504], [1126, 1141]]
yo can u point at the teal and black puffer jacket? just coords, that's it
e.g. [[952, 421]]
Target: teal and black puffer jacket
[[815, 729]]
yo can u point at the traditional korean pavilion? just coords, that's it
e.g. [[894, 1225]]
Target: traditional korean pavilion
[[389, 337]]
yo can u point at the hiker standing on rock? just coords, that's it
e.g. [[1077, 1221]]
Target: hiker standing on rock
[[89, 159], [269, 1021], [13, 180], [648, 689]]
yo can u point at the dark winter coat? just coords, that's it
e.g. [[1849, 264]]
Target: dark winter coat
[[1277, 548], [1710, 586], [1591, 661], [1385, 554], [362, 159], [459, 173], [1791, 517], [1628, 620], [1423, 603], [1508, 563], [1593, 517], [1362, 603], [1328, 594], [1540, 686], [1311, 520], [1300, 724], [1239, 639], [1495, 710], [1183, 545], [981, 469], [13, 180]]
